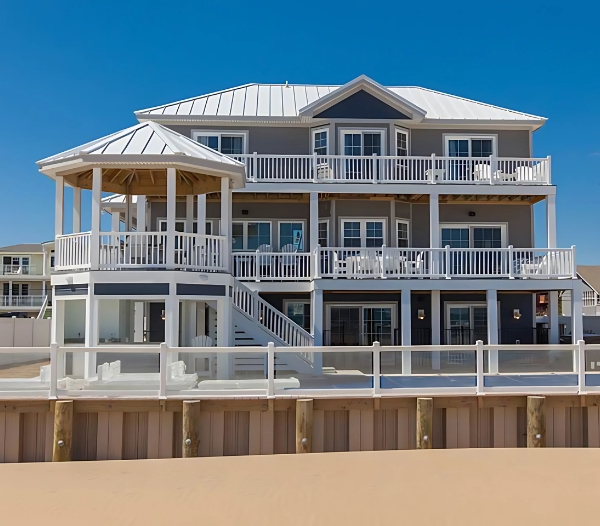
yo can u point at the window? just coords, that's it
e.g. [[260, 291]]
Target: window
[[366, 233], [291, 234], [402, 233], [401, 143], [180, 226], [224, 142], [249, 235], [320, 141], [362, 143], [477, 146], [298, 312], [324, 233], [473, 236], [5, 289]]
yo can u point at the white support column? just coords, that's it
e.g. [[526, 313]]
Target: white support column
[[224, 336], [115, 221], [313, 231], [138, 323], [128, 221], [554, 336], [96, 211], [405, 330], [91, 334], [172, 325], [201, 318], [201, 214], [171, 216], [551, 220], [76, 210], [316, 321], [58, 333], [492, 323], [577, 312], [189, 214], [141, 213], [434, 221], [436, 328], [59, 208], [393, 233], [226, 211]]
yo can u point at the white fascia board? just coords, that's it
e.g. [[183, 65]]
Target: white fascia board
[[363, 83]]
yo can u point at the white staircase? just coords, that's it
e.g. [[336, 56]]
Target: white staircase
[[257, 323]]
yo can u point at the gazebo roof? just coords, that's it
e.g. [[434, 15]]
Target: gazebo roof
[[135, 161]]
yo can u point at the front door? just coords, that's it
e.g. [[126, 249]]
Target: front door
[[344, 326], [377, 325], [358, 325], [466, 324]]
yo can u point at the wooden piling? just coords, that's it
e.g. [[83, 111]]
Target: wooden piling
[[63, 431], [304, 426], [190, 420], [536, 421], [424, 423]]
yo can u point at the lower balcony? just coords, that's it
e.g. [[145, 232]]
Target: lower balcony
[[22, 301]]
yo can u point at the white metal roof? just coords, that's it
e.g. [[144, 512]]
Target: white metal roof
[[146, 138], [282, 100]]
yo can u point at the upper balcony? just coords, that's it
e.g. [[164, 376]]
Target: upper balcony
[[266, 168], [19, 270]]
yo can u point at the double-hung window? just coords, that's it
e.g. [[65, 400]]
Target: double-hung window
[[229, 143], [249, 235], [320, 141], [402, 233], [362, 233], [324, 233], [401, 143]]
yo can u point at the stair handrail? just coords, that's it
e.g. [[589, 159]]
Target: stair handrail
[[274, 321]]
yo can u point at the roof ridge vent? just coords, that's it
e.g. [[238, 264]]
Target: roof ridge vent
[[287, 84]]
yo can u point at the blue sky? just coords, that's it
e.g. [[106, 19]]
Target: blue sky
[[74, 71]]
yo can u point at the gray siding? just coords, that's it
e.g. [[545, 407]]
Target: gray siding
[[511, 143], [517, 217], [264, 139]]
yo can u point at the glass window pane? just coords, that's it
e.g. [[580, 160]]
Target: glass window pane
[[237, 230], [401, 144], [212, 141], [323, 233], [320, 146], [232, 145], [291, 234], [402, 235], [258, 234]]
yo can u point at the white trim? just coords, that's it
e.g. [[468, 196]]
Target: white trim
[[459, 136], [405, 131], [313, 132], [408, 232], [362, 221], [219, 133], [326, 221], [359, 129], [303, 222], [503, 231]]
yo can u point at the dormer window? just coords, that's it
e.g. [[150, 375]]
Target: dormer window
[[227, 143]]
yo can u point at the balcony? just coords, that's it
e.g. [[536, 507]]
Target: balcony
[[130, 250], [265, 168], [22, 301], [18, 270], [385, 263]]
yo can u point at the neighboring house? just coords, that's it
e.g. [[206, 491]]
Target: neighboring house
[[590, 277], [25, 278], [311, 215]]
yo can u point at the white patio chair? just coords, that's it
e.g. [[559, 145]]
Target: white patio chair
[[481, 172], [264, 259]]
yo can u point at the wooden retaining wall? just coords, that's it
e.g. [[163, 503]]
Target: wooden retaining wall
[[110, 430]]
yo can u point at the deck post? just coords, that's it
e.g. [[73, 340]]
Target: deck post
[[405, 330], [304, 426], [171, 216], [190, 420], [96, 217], [536, 421], [492, 326], [63, 431], [424, 423]]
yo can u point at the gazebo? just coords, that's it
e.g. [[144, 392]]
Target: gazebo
[[146, 160]]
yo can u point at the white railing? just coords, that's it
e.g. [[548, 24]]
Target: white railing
[[445, 262], [22, 301], [274, 321], [200, 252], [72, 252], [395, 169], [18, 270], [118, 250], [527, 369], [591, 298], [271, 266]]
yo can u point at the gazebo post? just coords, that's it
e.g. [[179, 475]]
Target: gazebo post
[[59, 209], [171, 215], [226, 220], [201, 214], [96, 211], [76, 210]]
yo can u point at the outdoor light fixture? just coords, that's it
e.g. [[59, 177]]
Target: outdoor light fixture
[[516, 314], [471, 214], [421, 314], [162, 315]]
